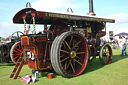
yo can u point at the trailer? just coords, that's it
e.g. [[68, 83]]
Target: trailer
[[67, 42]]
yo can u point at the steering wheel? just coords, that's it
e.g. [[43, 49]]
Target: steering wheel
[[16, 36]]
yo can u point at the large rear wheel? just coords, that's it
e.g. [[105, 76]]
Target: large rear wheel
[[69, 54]]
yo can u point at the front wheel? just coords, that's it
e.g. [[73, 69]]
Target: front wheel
[[105, 54], [69, 54], [16, 51]]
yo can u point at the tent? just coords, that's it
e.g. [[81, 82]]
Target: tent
[[122, 34]]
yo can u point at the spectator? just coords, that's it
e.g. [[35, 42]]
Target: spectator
[[124, 45], [102, 41], [120, 42]]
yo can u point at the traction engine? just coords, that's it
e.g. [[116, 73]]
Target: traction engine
[[67, 42]]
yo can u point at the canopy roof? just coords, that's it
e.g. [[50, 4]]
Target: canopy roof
[[42, 17], [122, 34]]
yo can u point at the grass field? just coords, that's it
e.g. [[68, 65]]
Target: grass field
[[115, 73]]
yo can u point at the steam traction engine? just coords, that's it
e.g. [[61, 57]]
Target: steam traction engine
[[67, 43], [12, 50]]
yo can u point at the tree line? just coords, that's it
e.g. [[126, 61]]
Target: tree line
[[3, 39]]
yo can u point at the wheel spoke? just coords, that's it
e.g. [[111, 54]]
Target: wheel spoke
[[80, 53], [67, 45], [64, 51], [20, 47], [77, 44], [68, 64], [64, 59], [17, 34], [70, 40], [64, 45], [16, 57], [15, 51], [74, 63], [77, 57], [77, 49], [18, 50], [17, 54], [72, 68], [73, 43], [65, 64], [78, 62], [61, 56]]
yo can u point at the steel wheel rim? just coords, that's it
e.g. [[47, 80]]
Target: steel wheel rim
[[17, 51], [107, 54]]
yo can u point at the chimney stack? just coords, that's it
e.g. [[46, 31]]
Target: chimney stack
[[91, 11]]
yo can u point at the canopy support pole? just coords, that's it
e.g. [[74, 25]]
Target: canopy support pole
[[34, 30], [25, 27]]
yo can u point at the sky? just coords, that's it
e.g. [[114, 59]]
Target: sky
[[113, 9]]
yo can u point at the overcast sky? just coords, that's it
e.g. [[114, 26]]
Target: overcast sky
[[113, 9]]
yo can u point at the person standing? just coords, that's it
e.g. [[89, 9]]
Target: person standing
[[120, 42], [102, 41], [124, 45]]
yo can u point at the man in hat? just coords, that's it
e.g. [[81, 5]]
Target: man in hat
[[124, 45]]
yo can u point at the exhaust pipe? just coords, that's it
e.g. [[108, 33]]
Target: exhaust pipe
[[91, 11]]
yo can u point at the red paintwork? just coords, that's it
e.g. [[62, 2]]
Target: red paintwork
[[22, 14], [41, 39], [38, 49]]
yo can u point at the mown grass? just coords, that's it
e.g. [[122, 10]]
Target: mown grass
[[115, 73]]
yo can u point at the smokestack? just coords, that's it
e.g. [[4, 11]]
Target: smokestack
[[91, 11]]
